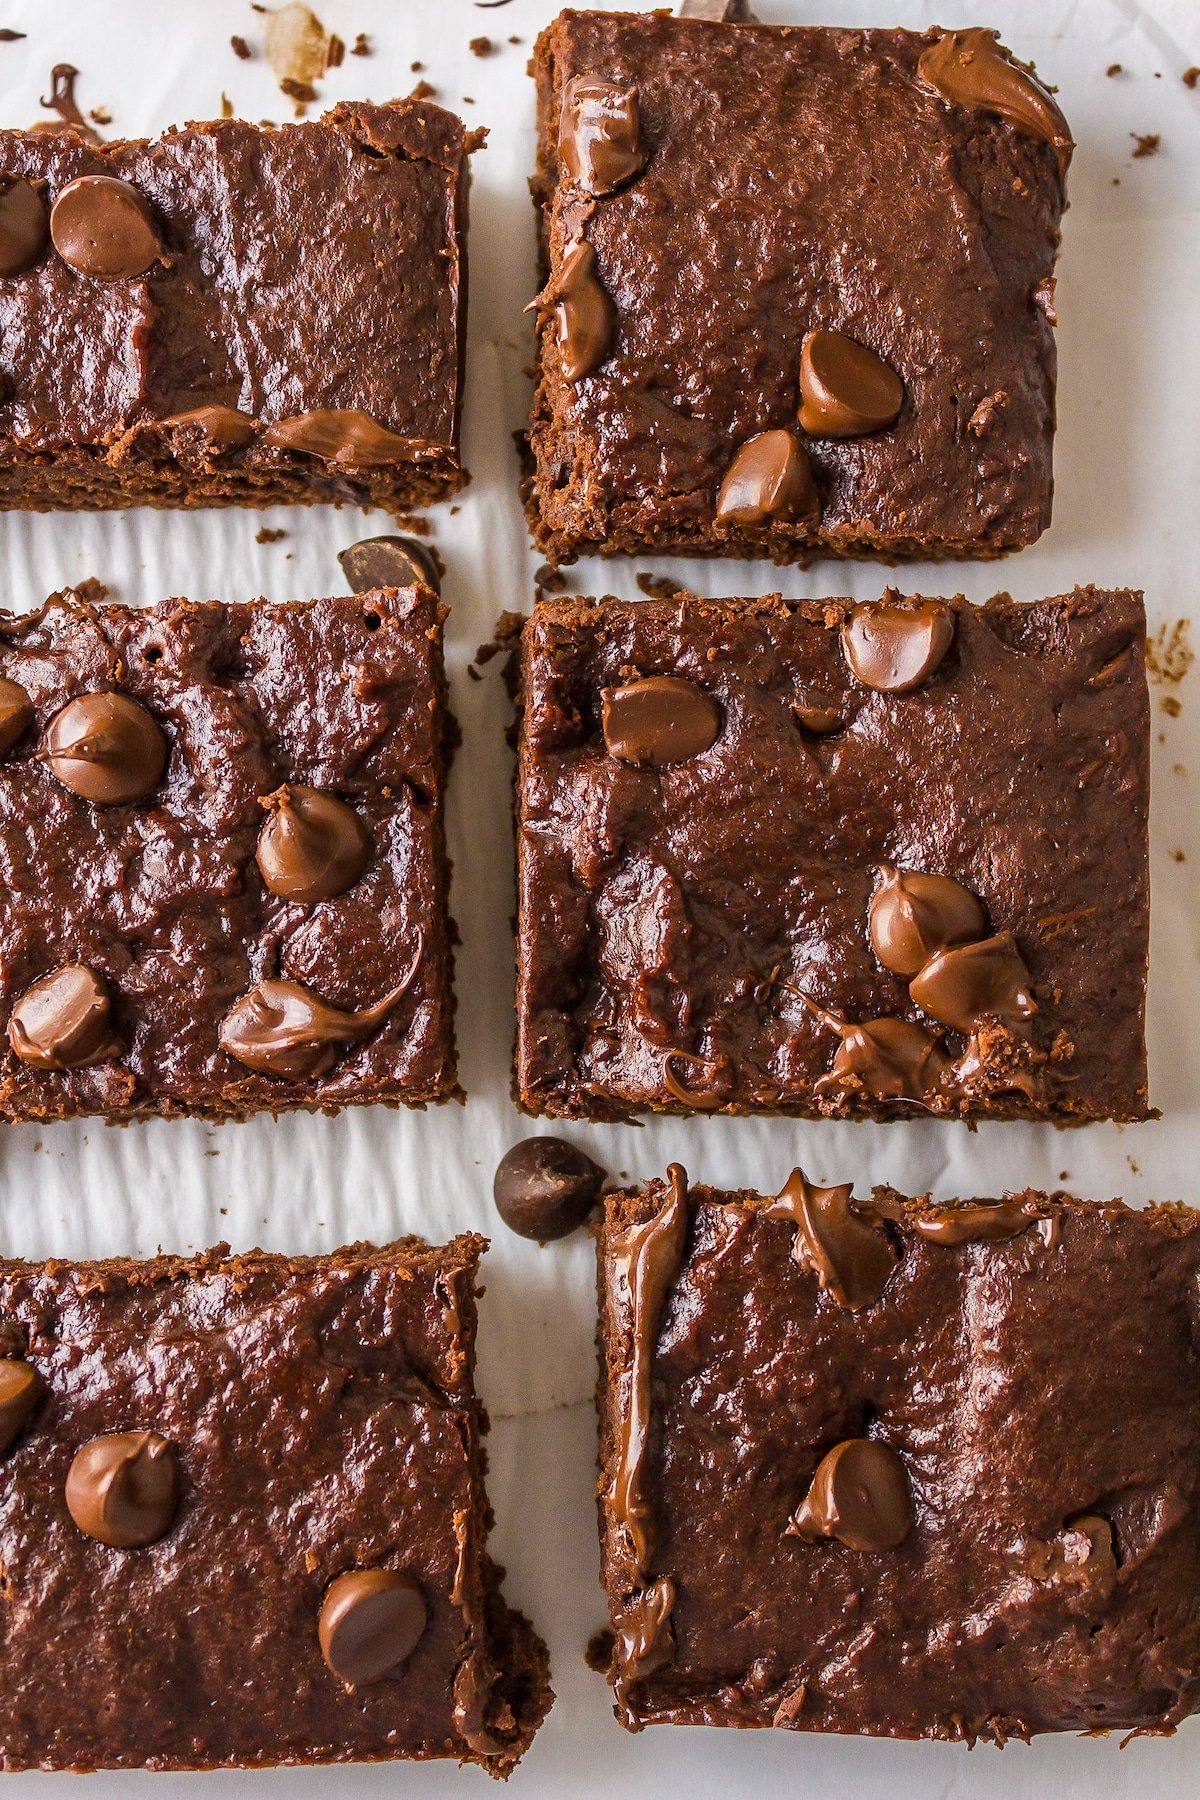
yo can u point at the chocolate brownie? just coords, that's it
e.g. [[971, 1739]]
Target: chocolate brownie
[[822, 858], [243, 1519], [798, 291], [222, 855], [898, 1469], [235, 314]]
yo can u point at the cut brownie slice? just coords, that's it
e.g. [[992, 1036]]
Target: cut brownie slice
[[890, 1468], [222, 855], [798, 291], [242, 1516], [831, 859], [235, 314]]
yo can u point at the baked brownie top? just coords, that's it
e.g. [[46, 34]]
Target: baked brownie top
[[1023, 1549], [305, 267], [800, 180], [161, 897], [321, 1419], [697, 924]]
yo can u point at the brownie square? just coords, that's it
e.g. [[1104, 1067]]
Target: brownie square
[[798, 291], [223, 859], [829, 859], [281, 316], [897, 1469], [243, 1520]]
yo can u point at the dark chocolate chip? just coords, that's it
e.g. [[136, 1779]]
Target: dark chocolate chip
[[970, 69], [852, 1257], [62, 1021], [769, 478], [371, 1621], [312, 845], [893, 649], [820, 720], [21, 1387], [343, 436], [124, 1490], [660, 721], [389, 562], [587, 319], [912, 915], [102, 226], [16, 714], [599, 136], [969, 982], [223, 428], [281, 1028], [106, 748], [890, 1059], [545, 1188], [24, 225], [845, 389], [980, 1222], [859, 1495]]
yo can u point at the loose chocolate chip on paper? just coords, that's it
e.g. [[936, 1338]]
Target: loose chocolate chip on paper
[[599, 139], [124, 1489], [770, 478], [912, 915], [24, 225], [385, 562], [106, 748], [859, 1495], [845, 389], [102, 226], [545, 1188], [893, 649], [371, 1621], [961, 985], [659, 722], [312, 845], [21, 1387], [62, 1021]]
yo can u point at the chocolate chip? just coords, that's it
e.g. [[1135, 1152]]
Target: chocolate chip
[[820, 720], [387, 562], [106, 748], [312, 845], [912, 915], [222, 428], [545, 1188], [21, 1387], [123, 1490], [281, 1028], [769, 478], [599, 135], [371, 1621], [62, 1021], [102, 226], [893, 649], [982, 1222], [587, 319], [860, 1496], [969, 68], [24, 225], [845, 389], [890, 1059], [343, 436], [659, 721], [851, 1257], [962, 985], [16, 714]]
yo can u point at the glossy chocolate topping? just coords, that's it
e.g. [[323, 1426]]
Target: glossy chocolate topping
[[912, 915], [852, 1257], [312, 845], [845, 389], [106, 748], [102, 226], [979, 1223], [890, 1059], [24, 225], [961, 985], [283, 1028], [62, 1021], [371, 1621], [545, 1188], [222, 428], [16, 714], [972, 70], [643, 1638], [769, 478], [893, 649], [21, 1387], [124, 1489], [859, 1495], [343, 436], [599, 141], [660, 721], [587, 319], [386, 562]]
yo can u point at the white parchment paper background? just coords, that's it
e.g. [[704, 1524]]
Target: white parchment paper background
[[1127, 511]]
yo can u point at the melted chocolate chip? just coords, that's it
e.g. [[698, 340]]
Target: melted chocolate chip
[[587, 319], [770, 478], [387, 562], [820, 720], [977, 1223], [643, 1637], [312, 845], [599, 136], [24, 225], [860, 1496], [16, 714], [223, 428], [545, 1188], [346, 437], [660, 721], [102, 226], [123, 1490], [891, 1059], [851, 1257], [893, 649], [62, 1021], [968, 982], [969, 68], [281, 1028], [913, 915], [21, 1387], [845, 389], [106, 748], [371, 1621]]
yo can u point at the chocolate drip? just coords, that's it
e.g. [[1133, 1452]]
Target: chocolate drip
[[643, 1642], [982, 1222], [852, 1257]]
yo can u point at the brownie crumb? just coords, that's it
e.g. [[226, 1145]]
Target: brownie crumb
[[660, 587], [268, 535], [1169, 654], [424, 90], [9, 36], [361, 45], [1114, 69], [481, 46], [226, 105], [1191, 77], [416, 67], [1146, 143], [1171, 706], [99, 115], [551, 579], [598, 1654], [301, 91], [241, 48], [1177, 855], [92, 590]]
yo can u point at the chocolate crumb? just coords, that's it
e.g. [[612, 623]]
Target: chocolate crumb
[[1146, 143], [1171, 706], [515, 40], [1191, 77], [1114, 69], [660, 587], [1178, 855], [9, 36], [226, 105], [552, 580], [99, 115], [241, 48], [416, 67], [424, 90], [269, 535], [1169, 654], [361, 45], [303, 91], [481, 46]]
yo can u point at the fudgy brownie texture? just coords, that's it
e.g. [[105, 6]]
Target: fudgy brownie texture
[[222, 857], [798, 291], [822, 858], [212, 1468], [235, 313], [890, 1468]]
